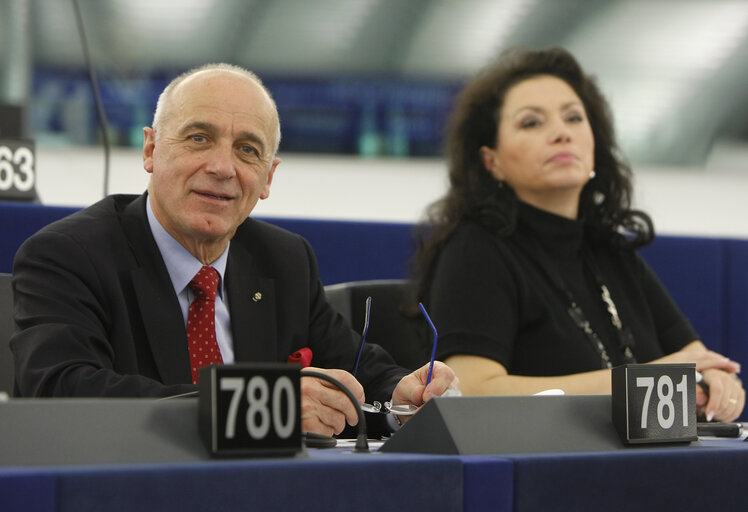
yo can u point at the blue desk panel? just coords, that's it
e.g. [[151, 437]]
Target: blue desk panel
[[695, 478], [325, 481], [142, 454], [27, 489], [488, 484]]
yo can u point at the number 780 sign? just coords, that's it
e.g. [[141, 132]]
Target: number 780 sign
[[655, 403], [250, 409]]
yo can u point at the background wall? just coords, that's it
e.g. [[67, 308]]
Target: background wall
[[375, 79], [709, 202]]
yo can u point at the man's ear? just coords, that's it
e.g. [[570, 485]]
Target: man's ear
[[266, 189], [149, 143]]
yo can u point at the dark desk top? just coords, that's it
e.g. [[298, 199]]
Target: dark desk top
[[146, 455]]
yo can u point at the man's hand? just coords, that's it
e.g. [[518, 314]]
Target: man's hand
[[412, 388], [324, 408]]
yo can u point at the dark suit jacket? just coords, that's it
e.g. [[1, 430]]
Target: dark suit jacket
[[98, 316]]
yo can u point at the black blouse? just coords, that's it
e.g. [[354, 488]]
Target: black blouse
[[507, 298]]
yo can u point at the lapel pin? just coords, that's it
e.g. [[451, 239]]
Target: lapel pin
[[257, 297]]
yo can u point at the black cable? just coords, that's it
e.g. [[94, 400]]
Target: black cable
[[362, 445], [97, 96], [188, 394]]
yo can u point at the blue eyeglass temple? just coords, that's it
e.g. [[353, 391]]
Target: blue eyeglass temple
[[433, 349], [363, 335], [366, 330]]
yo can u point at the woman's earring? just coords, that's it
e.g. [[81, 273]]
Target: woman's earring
[[592, 174]]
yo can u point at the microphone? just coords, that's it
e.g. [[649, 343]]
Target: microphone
[[101, 114], [362, 445]]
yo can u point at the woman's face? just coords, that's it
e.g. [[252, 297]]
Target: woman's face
[[545, 147]]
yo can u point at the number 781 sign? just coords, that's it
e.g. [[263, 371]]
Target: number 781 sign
[[654, 403]]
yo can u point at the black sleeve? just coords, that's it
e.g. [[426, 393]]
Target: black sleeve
[[674, 330], [63, 345], [473, 297]]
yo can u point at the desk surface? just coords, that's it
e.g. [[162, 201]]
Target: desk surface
[[51, 466], [147, 455]]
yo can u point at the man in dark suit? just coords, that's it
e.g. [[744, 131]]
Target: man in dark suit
[[102, 298]]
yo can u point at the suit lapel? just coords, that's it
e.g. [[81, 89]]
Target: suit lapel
[[252, 308], [157, 302]]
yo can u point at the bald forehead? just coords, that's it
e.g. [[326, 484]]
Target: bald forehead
[[210, 79], [207, 76], [245, 90]]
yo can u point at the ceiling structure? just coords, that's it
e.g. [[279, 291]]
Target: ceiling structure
[[675, 71]]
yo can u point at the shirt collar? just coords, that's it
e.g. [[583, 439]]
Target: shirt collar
[[180, 263]]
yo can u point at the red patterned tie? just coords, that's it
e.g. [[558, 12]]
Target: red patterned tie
[[201, 321]]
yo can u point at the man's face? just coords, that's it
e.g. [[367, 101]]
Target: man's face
[[212, 158]]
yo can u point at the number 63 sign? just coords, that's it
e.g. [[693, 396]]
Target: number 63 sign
[[17, 169], [654, 403]]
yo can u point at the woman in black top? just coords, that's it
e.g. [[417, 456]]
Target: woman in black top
[[529, 270]]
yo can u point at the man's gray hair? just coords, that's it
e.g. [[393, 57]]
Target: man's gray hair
[[163, 99]]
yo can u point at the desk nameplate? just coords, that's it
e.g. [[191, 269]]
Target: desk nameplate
[[476, 425], [654, 403]]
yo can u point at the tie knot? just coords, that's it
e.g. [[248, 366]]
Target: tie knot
[[205, 284]]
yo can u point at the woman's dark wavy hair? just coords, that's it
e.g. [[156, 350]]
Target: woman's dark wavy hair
[[474, 194]]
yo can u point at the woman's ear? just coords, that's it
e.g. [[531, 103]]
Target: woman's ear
[[490, 160]]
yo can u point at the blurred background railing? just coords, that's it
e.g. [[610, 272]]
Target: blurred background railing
[[378, 76], [350, 116], [364, 87]]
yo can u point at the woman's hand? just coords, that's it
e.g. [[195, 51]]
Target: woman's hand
[[703, 358], [725, 399]]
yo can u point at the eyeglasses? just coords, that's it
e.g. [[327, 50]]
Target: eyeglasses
[[388, 407]]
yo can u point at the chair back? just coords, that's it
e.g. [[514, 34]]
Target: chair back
[[7, 325], [395, 323]]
